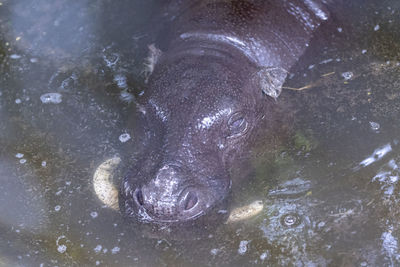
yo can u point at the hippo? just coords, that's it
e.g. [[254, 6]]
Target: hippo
[[216, 80]]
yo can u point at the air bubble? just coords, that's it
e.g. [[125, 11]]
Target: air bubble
[[243, 247], [214, 251], [264, 256], [124, 137], [290, 220], [374, 126], [62, 248], [347, 75]]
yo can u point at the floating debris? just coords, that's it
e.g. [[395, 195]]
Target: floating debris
[[97, 249], [245, 212], [110, 58], [15, 56], [53, 98], [115, 250], [378, 154], [120, 80], [313, 84], [151, 61], [125, 96], [19, 155], [296, 186], [389, 243], [377, 27], [388, 177], [102, 183], [326, 61]]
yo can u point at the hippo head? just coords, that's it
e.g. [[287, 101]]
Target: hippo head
[[200, 111]]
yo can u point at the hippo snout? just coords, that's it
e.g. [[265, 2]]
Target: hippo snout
[[165, 210], [166, 199]]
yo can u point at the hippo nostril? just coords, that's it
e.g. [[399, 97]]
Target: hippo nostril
[[139, 197], [191, 200]]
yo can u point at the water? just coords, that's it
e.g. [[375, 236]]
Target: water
[[70, 72]]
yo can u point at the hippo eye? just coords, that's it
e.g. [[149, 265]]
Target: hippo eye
[[139, 197], [237, 125], [190, 200]]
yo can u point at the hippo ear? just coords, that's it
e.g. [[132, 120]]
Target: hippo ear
[[271, 79]]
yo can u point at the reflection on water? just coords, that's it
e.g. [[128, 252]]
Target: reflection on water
[[70, 72]]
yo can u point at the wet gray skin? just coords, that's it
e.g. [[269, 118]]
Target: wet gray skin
[[214, 84]]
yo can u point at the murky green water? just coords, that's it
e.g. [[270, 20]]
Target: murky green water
[[331, 197]]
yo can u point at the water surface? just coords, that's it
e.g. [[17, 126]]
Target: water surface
[[69, 73]]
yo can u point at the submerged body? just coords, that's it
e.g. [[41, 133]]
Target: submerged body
[[223, 65]]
